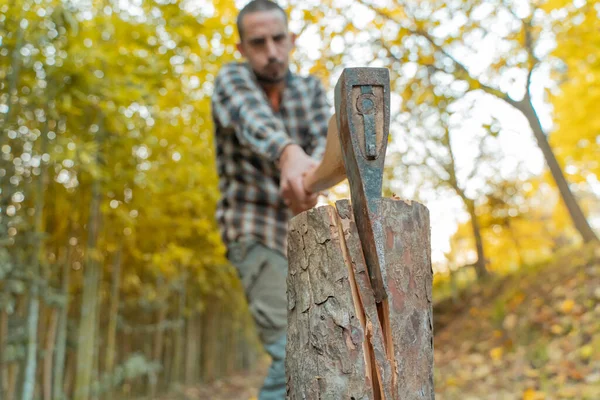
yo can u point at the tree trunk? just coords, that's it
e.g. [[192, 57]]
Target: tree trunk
[[515, 240], [87, 324], [191, 355], [98, 341], [221, 338], [178, 344], [61, 337], [50, 343], [167, 364], [113, 314], [480, 264], [33, 308], [3, 344], [209, 350], [70, 370], [341, 343], [158, 347], [579, 220], [11, 390], [15, 68], [232, 333]]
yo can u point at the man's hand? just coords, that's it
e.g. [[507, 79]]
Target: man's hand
[[294, 163]]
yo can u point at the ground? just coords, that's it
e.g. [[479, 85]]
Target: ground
[[240, 387]]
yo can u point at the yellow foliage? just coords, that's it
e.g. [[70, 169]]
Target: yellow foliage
[[575, 138]]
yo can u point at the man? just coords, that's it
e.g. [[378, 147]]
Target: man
[[271, 127]]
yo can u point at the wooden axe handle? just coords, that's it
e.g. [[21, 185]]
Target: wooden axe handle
[[331, 170]]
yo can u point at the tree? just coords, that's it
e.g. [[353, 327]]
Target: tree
[[577, 125], [438, 46], [429, 157]]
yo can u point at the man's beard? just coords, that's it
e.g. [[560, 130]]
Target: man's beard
[[269, 79]]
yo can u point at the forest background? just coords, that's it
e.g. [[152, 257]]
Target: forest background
[[113, 280]]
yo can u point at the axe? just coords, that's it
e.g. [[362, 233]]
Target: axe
[[355, 149]]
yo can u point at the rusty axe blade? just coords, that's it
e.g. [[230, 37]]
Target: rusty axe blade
[[362, 106]]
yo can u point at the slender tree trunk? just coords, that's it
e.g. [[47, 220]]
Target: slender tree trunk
[[11, 390], [15, 68], [209, 345], [50, 343], [480, 264], [238, 350], [70, 370], [158, 347], [3, 345], [191, 356], [220, 335], [87, 324], [244, 359], [98, 342], [579, 220], [515, 240], [178, 344], [454, 285], [33, 309], [167, 363], [61, 337], [113, 314], [232, 334]]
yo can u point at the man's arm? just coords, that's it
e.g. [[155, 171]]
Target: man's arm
[[237, 102], [319, 118]]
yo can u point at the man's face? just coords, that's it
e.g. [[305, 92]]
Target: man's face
[[266, 44]]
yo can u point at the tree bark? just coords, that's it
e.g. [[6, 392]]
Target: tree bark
[[579, 220], [341, 343]]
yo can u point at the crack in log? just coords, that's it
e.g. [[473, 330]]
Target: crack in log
[[368, 350]]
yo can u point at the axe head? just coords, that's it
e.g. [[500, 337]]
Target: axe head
[[362, 107]]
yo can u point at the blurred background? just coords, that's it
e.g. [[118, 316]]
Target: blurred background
[[113, 280]]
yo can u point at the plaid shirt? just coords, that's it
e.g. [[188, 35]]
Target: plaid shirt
[[249, 138]]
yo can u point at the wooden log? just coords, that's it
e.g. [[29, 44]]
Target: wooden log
[[341, 343]]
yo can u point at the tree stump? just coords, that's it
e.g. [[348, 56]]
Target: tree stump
[[341, 343]]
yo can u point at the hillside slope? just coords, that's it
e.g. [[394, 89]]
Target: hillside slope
[[533, 335]]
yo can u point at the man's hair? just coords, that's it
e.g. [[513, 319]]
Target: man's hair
[[254, 6]]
